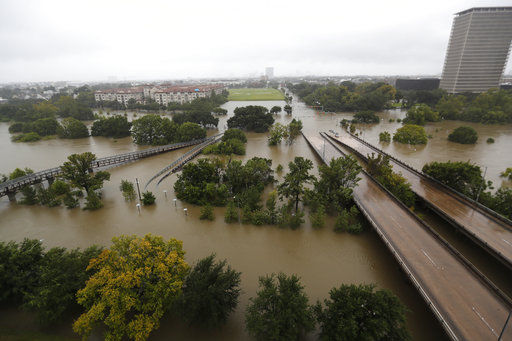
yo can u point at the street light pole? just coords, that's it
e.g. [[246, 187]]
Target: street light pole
[[480, 188]]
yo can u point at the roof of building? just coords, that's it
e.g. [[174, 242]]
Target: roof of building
[[484, 9]]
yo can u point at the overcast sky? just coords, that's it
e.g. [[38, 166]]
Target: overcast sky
[[92, 40]]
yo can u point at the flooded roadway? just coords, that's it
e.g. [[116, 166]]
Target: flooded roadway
[[322, 258]]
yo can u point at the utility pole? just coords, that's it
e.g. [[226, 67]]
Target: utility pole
[[138, 189], [480, 188]]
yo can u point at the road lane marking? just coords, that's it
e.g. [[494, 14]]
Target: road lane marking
[[483, 319], [396, 222], [430, 259], [506, 241]]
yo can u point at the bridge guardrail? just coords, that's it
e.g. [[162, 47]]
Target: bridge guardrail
[[456, 194], [465, 261], [15, 184], [496, 253]]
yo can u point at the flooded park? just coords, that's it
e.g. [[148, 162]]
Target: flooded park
[[322, 258]]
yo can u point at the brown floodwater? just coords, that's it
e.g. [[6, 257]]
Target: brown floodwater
[[322, 258]]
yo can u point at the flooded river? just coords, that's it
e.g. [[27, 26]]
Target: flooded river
[[322, 258]]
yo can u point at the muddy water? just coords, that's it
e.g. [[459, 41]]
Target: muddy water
[[321, 258]]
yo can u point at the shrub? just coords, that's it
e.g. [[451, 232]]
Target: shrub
[[231, 214], [128, 190], [421, 113], [385, 137], [348, 221], [259, 217], [318, 217], [207, 213], [72, 128], [27, 137], [148, 198], [464, 135], [411, 134], [366, 116], [490, 140]]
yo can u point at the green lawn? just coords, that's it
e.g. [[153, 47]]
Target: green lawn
[[254, 94]]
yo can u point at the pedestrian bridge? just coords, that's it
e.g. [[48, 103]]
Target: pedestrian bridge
[[10, 187]]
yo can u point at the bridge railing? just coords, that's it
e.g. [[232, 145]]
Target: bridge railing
[[174, 163], [32, 178], [454, 193], [436, 235]]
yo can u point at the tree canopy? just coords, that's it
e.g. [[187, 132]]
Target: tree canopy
[[411, 134], [251, 118], [157, 130], [358, 312], [295, 180], [114, 126], [464, 135], [280, 310], [210, 293], [421, 113], [134, 283]]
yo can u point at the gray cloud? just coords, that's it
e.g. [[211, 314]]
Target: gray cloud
[[67, 40]]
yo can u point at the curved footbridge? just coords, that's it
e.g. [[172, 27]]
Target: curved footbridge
[[10, 187], [488, 229], [179, 163], [467, 304]]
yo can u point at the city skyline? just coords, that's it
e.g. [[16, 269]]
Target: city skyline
[[94, 41]]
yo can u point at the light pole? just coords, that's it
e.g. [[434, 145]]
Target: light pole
[[481, 185]]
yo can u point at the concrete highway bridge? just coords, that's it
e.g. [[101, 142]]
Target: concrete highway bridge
[[466, 303], [487, 228], [10, 187]]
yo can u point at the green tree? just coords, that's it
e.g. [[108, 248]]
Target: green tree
[[251, 118], [293, 184], [451, 107], [234, 133], [154, 130], [464, 135], [365, 116], [148, 198], [294, 130], [210, 293], [361, 313], [92, 201], [280, 310], [384, 137], [128, 190], [231, 214], [78, 171], [207, 213], [275, 109], [337, 181], [134, 283], [276, 134], [71, 128], [411, 134], [288, 109], [271, 205], [318, 217], [18, 173], [189, 131], [29, 195], [114, 126], [62, 274], [19, 269], [421, 113], [463, 177], [348, 221]]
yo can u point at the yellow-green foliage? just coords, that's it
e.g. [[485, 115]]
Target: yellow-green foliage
[[134, 283]]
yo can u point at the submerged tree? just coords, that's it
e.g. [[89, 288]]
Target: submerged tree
[[210, 293], [133, 285], [294, 182]]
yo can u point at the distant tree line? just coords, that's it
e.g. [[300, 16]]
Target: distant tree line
[[347, 96]]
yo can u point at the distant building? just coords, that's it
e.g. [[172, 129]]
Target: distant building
[[417, 84], [269, 72], [161, 94], [478, 49]]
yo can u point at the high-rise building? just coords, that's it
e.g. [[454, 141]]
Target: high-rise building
[[269, 72], [478, 49]]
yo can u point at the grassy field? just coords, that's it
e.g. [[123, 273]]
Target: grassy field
[[254, 94]]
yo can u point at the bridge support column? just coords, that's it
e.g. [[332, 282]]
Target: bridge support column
[[11, 196], [50, 181]]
